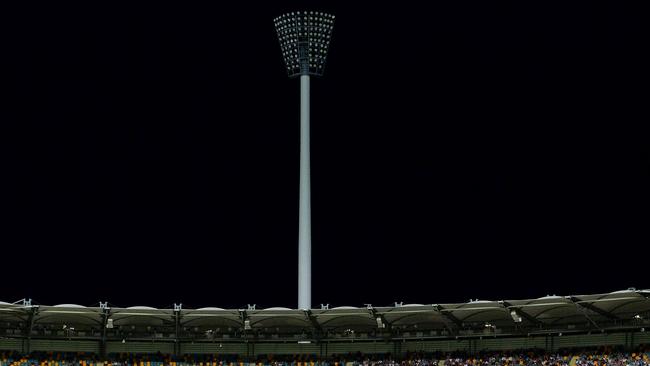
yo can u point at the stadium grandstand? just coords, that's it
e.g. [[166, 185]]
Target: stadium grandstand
[[603, 356], [551, 323]]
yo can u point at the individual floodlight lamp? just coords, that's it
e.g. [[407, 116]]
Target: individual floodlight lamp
[[304, 40]]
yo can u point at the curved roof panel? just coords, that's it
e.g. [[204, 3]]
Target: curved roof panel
[[547, 311], [69, 306]]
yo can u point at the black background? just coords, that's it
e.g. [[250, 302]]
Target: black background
[[484, 150]]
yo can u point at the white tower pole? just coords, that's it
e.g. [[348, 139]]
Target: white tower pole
[[304, 224]]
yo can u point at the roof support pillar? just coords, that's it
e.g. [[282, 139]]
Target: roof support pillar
[[382, 323], [243, 315], [106, 313], [177, 328], [27, 340], [317, 330], [450, 320]]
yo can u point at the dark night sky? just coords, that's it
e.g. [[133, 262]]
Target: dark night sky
[[479, 150]]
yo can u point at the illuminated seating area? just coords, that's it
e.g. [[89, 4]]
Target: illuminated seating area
[[604, 356]]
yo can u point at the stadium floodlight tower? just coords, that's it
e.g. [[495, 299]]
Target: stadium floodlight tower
[[304, 39]]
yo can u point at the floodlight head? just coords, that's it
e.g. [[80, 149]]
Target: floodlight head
[[304, 39]]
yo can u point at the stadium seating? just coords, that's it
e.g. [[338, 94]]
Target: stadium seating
[[593, 357]]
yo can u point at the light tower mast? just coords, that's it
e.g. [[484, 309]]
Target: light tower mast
[[304, 39]]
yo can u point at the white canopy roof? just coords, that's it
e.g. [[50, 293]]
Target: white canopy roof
[[544, 311]]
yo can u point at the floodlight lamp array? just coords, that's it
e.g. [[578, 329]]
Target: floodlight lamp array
[[304, 40]]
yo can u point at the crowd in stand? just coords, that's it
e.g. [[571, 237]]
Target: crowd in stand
[[594, 357]]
